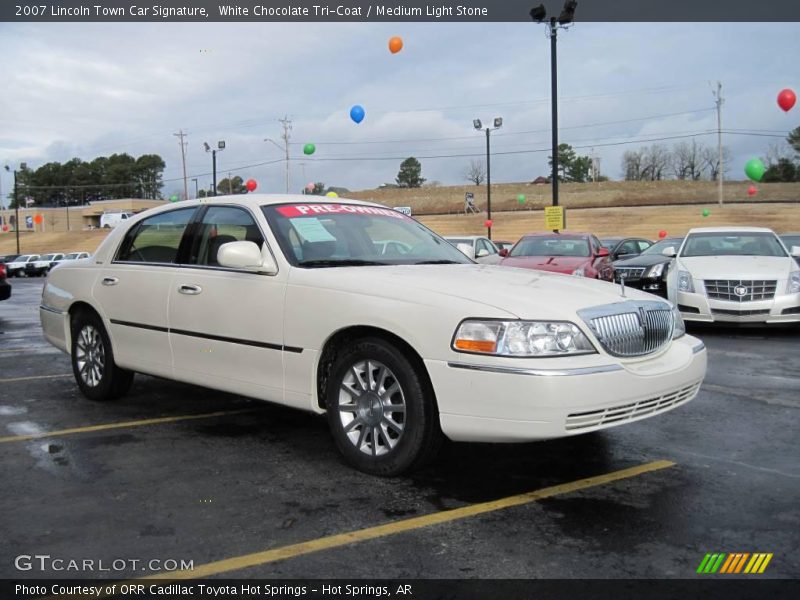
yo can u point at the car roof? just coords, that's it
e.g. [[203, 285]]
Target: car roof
[[462, 237], [565, 234], [730, 230]]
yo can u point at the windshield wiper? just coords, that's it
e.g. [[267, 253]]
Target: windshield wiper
[[439, 262], [341, 262]]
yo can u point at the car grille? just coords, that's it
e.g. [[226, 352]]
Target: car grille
[[629, 273], [634, 410], [740, 290], [632, 328], [739, 313]]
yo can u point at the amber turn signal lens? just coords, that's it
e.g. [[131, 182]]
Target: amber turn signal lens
[[476, 345]]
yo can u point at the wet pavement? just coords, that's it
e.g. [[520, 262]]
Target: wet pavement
[[223, 486]]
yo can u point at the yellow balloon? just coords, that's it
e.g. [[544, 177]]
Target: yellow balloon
[[332, 195]]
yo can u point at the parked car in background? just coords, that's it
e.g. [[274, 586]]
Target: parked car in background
[[791, 240], [16, 267], [5, 287], [7, 258], [397, 352], [503, 247], [648, 271], [620, 247], [482, 249], [734, 275], [69, 256], [41, 266], [579, 254], [112, 219]]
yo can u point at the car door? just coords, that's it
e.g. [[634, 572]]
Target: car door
[[132, 291], [600, 264], [226, 325]]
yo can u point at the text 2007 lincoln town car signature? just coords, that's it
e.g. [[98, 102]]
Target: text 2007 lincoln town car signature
[[302, 302]]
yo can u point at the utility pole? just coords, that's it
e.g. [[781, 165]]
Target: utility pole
[[181, 135], [287, 127], [230, 184], [718, 100]]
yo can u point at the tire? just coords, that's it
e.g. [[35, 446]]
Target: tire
[[97, 375], [381, 410]]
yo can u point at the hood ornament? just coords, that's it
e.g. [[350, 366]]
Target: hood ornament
[[622, 285]]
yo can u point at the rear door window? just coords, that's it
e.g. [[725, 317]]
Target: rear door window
[[156, 239]]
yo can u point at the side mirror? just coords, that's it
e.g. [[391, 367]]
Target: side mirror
[[670, 251], [603, 251], [247, 256], [795, 251], [482, 252], [503, 252], [467, 249]]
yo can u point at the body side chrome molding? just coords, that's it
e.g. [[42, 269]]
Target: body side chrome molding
[[538, 372], [52, 310]]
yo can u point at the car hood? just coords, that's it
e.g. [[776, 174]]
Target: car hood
[[737, 267], [645, 260], [556, 264], [515, 292]]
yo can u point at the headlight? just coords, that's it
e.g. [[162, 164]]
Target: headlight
[[680, 327], [580, 272], [521, 338], [794, 283], [685, 281], [655, 271]]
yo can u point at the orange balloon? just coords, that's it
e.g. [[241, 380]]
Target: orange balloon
[[38, 219], [395, 44]]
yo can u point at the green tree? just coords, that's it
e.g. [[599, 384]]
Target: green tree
[[794, 139], [783, 171], [410, 173], [234, 185], [147, 173], [571, 167]]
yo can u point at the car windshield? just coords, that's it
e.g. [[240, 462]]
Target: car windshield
[[330, 235], [71, 256], [23, 258], [790, 240], [733, 244], [659, 246], [551, 246], [48, 257]]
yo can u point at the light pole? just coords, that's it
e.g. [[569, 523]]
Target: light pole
[[566, 17], [220, 147], [196, 190], [498, 123], [22, 167]]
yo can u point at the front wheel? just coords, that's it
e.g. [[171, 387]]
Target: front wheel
[[97, 375], [381, 410]]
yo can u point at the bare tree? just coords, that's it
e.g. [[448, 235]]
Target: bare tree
[[476, 172], [777, 151], [50, 218], [710, 159], [632, 165], [686, 161], [655, 161]]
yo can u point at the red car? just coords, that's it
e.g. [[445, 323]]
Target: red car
[[569, 253]]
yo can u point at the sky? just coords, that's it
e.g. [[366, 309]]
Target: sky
[[90, 89]]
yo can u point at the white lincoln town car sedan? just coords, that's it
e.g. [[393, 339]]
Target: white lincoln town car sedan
[[735, 275], [299, 301]]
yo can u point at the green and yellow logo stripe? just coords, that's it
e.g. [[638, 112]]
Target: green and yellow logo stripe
[[734, 563]]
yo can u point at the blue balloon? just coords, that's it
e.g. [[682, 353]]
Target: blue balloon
[[357, 113]]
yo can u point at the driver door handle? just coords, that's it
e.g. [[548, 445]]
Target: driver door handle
[[110, 281], [190, 290]]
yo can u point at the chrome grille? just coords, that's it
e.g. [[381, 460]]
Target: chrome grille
[[632, 328], [629, 273], [633, 410], [748, 289], [739, 313]]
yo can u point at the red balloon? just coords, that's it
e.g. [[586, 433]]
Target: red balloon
[[251, 185], [488, 222], [5, 227], [786, 99], [752, 191], [662, 234]]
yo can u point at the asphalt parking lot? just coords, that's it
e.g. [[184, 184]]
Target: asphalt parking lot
[[243, 489]]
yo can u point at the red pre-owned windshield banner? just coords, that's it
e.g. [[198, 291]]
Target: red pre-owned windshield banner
[[307, 210]]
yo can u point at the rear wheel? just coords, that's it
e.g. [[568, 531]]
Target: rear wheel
[[97, 375], [381, 410]]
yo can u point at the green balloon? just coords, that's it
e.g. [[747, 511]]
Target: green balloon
[[521, 198], [706, 212], [755, 169], [173, 198], [309, 149]]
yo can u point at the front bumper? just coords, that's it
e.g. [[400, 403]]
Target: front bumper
[[783, 308], [533, 399], [651, 285]]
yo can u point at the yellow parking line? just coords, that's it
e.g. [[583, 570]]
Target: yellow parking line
[[395, 527], [34, 377], [122, 425]]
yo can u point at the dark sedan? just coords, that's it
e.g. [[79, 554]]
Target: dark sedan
[[620, 247], [648, 271]]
